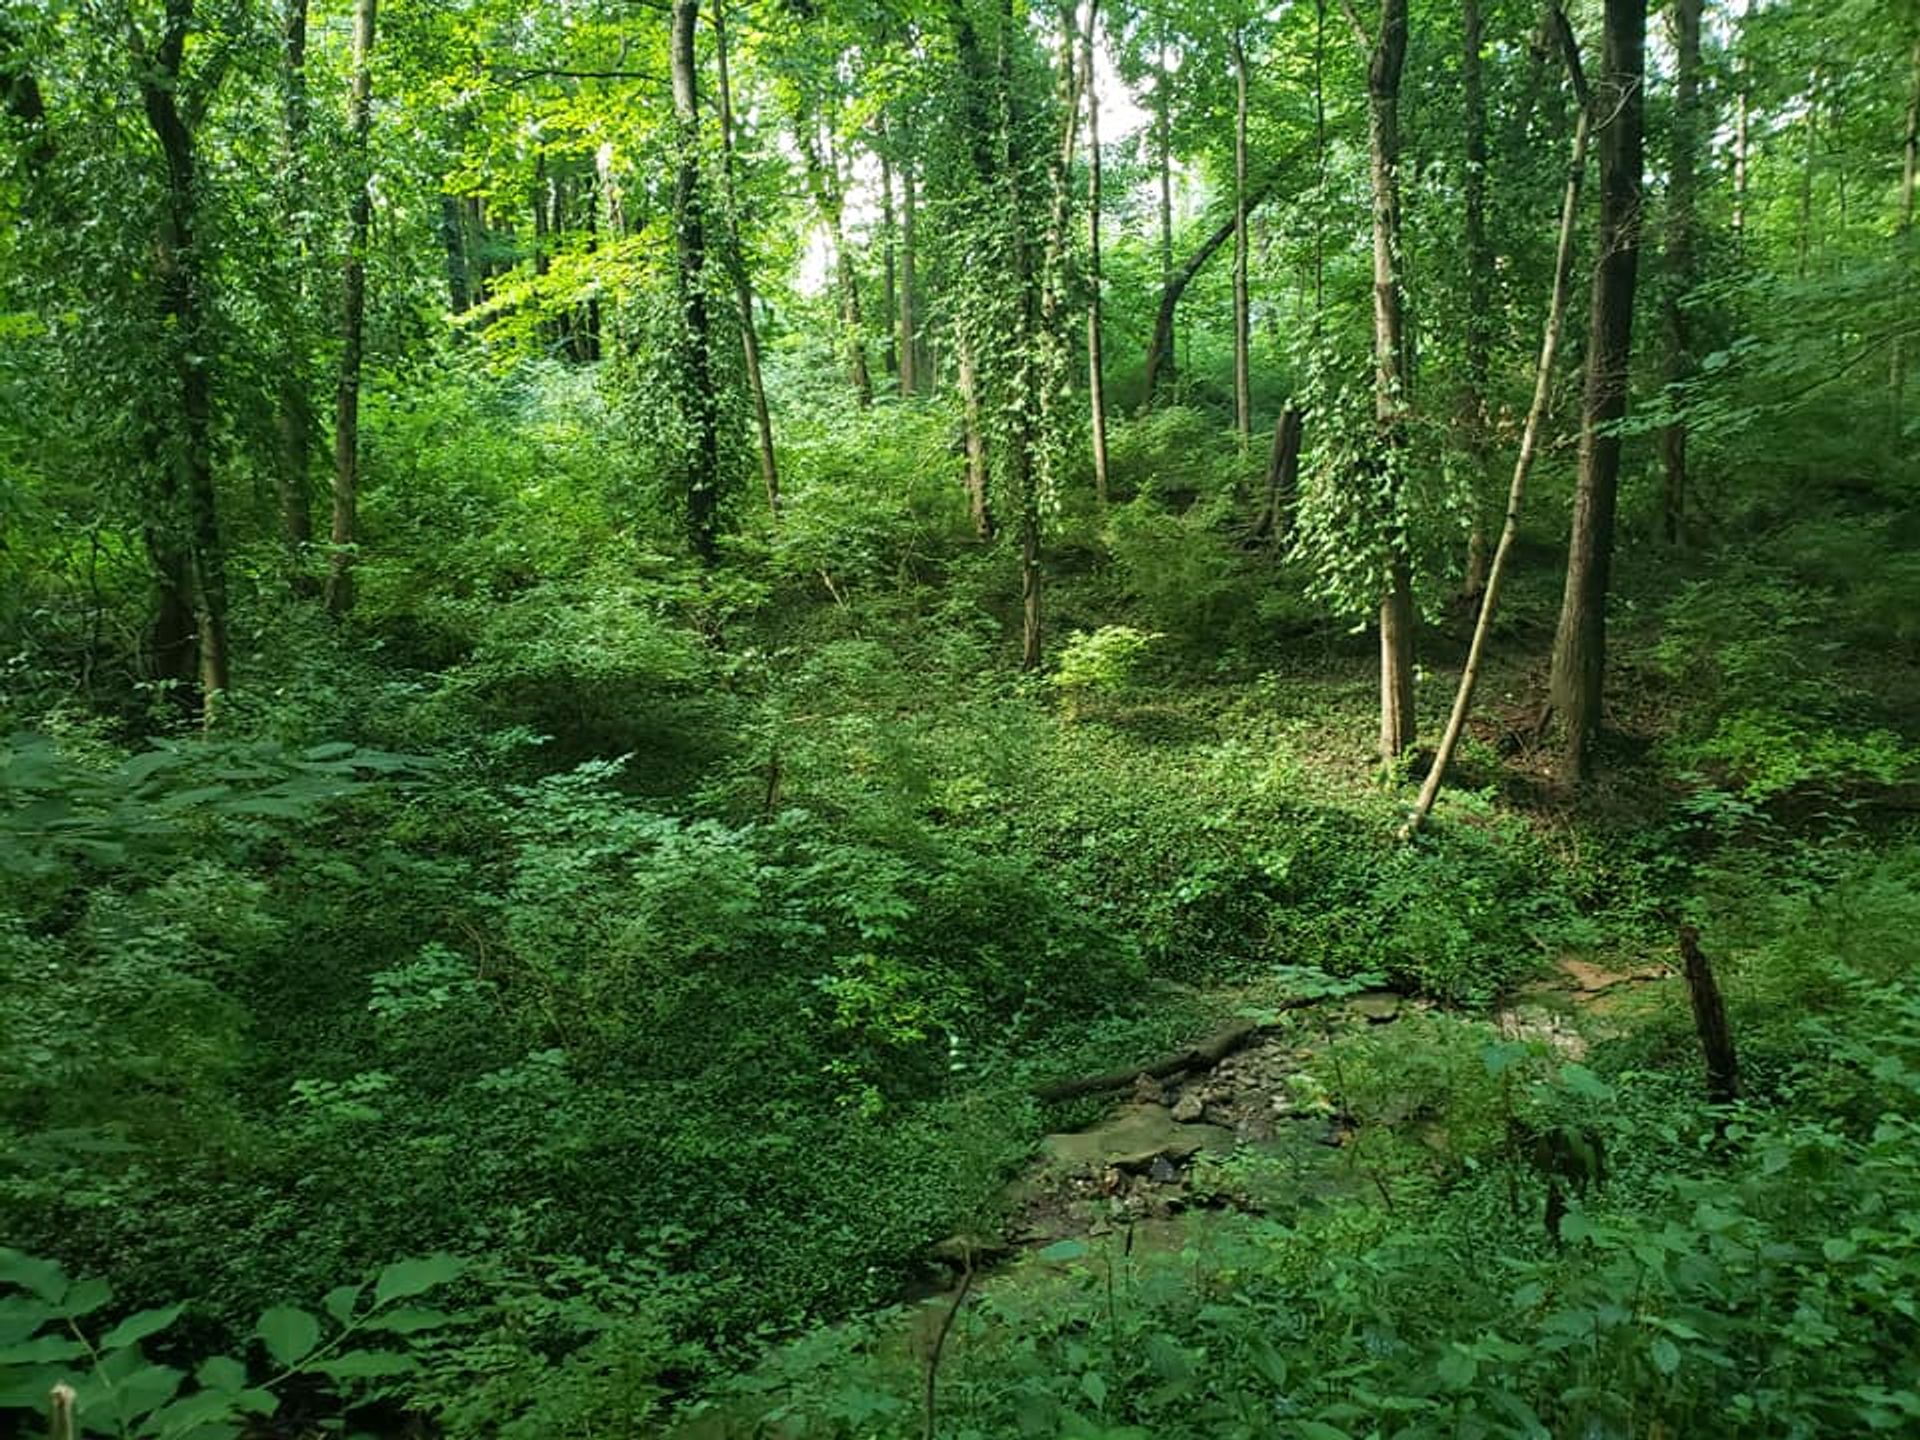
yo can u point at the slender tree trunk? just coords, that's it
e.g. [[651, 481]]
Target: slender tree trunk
[[1910, 164], [1740, 106], [353, 312], [1319, 169], [453, 242], [1242, 315], [909, 343], [978, 505], [737, 267], [1479, 256], [1096, 361], [1529, 441], [185, 536], [1579, 649], [889, 283], [1680, 269], [1159, 360], [294, 418], [1391, 380], [699, 401], [1163, 135], [823, 170], [1809, 128]]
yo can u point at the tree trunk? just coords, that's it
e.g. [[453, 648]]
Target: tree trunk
[[1579, 649], [1910, 163], [191, 566], [978, 505], [1529, 440], [1680, 269], [1479, 257], [909, 343], [823, 172], [353, 312], [1283, 479], [1159, 363], [1096, 361], [294, 417], [1391, 380], [699, 402], [1163, 137], [737, 266], [1710, 1021], [1242, 340], [889, 283]]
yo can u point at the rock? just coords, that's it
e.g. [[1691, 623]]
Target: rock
[[1376, 1007], [1148, 1091], [970, 1248], [1188, 1108], [1132, 1139], [1162, 1172]]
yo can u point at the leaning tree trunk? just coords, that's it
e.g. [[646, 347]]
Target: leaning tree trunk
[[1529, 440], [698, 401], [353, 314], [1391, 379], [1579, 648], [189, 551], [1680, 265], [737, 266]]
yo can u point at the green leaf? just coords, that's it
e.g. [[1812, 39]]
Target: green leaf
[[135, 1328], [411, 1321], [44, 1278], [340, 1300], [1838, 1249], [288, 1334], [45, 1350], [1666, 1356], [1458, 1367], [192, 1412], [1094, 1386], [148, 1388], [1064, 1250], [365, 1364], [222, 1372], [414, 1277], [84, 1297]]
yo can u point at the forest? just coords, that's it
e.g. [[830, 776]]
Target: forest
[[846, 719]]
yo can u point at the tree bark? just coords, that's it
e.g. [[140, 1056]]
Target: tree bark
[[353, 313], [294, 420], [1283, 478], [1479, 257], [1242, 340], [1391, 378], [1909, 165], [189, 554], [978, 505], [1096, 360], [909, 342], [889, 283], [823, 173], [1159, 362], [1529, 440], [1579, 650], [1710, 1021], [737, 267], [1680, 276], [699, 401]]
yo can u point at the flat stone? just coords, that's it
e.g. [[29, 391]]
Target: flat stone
[[1376, 1007], [1188, 1108], [1133, 1139]]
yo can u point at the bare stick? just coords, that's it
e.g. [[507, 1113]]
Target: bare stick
[[1529, 440], [940, 1344]]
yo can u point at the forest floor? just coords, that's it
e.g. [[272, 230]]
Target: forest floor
[[1177, 1163]]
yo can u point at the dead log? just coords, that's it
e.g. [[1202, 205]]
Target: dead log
[[1710, 1021], [1203, 1056]]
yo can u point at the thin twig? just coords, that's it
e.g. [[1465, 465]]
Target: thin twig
[[940, 1344]]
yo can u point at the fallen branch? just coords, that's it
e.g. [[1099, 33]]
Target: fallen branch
[[1203, 1056]]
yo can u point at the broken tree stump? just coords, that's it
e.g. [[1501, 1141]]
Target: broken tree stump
[[1710, 1021]]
